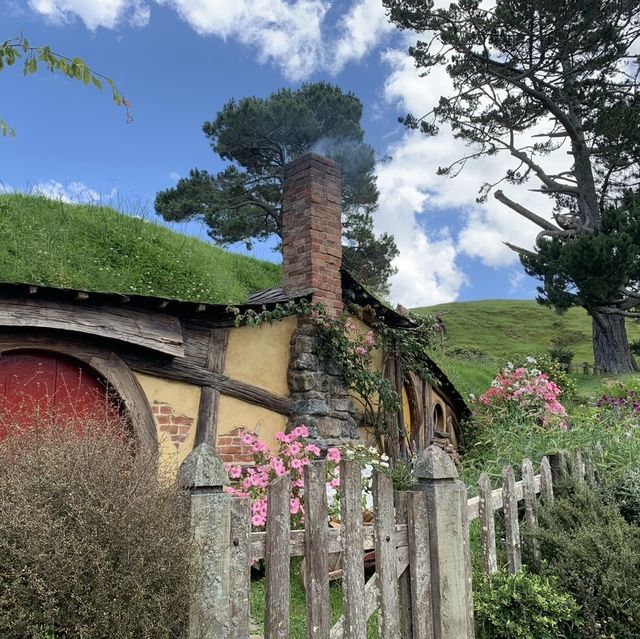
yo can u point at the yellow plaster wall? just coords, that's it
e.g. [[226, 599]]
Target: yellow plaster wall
[[183, 400], [259, 355], [234, 413]]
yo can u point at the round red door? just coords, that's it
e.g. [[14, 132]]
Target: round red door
[[46, 389]]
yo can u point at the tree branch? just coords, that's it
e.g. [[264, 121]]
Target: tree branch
[[526, 213]]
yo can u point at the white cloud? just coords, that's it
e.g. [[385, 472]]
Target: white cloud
[[174, 176], [94, 13], [421, 193], [516, 282], [362, 28], [72, 193], [427, 269], [299, 36]]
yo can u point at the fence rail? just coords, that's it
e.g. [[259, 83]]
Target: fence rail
[[421, 587]]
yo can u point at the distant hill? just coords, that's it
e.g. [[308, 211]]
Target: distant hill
[[482, 336], [96, 248]]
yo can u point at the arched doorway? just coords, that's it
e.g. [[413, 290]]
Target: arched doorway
[[48, 389]]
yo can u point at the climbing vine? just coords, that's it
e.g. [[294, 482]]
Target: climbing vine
[[350, 351]]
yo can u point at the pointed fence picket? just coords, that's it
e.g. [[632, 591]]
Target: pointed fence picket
[[421, 587]]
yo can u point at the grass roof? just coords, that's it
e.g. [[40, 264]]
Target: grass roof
[[95, 248]]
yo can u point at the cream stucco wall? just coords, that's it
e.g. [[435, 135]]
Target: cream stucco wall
[[234, 413], [175, 407], [259, 355]]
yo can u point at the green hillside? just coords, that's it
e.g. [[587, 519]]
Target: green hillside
[[96, 248], [483, 335]]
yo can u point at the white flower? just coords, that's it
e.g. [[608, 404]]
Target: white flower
[[532, 360], [384, 458]]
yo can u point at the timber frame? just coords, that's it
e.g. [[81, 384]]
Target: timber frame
[[118, 335]]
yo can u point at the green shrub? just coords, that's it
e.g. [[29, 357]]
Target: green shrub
[[562, 355], [625, 493], [586, 543], [93, 545], [521, 606], [509, 441]]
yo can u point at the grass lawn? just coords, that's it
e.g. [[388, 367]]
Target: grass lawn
[[298, 614], [482, 336], [95, 248]]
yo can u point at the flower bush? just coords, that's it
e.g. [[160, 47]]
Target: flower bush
[[294, 454], [525, 390]]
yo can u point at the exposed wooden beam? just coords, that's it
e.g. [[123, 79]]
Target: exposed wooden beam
[[158, 332], [180, 370], [207, 426]]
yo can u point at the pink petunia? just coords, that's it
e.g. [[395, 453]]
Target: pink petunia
[[333, 455], [300, 431], [312, 449], [235, 472]]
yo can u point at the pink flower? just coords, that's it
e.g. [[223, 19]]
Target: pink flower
[[258, 521], [235, 472], [294, 449], [369, 339], [312, 449], [295, 506], [247, 439], [278, 467], [333, 455], [300, 431], [296, 463], [361, 350], [335, 483], [260, 447]]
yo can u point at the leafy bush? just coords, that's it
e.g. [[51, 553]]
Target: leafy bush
[[521, 606], [93, 544], [562, 355], [625, 493], [525, 391], [509, 441], [593, 552]]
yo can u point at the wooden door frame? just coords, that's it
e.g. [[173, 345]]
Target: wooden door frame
[[106, 364]]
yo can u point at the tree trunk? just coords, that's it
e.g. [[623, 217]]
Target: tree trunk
[[611, 351]]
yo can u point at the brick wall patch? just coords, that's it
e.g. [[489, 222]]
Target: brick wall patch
[[171, 423]]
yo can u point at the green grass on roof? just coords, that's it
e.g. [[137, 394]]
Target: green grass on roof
[[95, 248]]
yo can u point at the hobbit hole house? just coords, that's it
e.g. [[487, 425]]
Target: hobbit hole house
[[180, 372]]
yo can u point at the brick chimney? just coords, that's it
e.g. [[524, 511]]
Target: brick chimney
[[312, 230]]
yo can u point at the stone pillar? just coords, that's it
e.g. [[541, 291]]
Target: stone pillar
[[320, 400], [312, 230], [436, 474], [203, 474]]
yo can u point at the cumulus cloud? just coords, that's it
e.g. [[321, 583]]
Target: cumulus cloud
[[427, 269], [361, 29], [299, 36], [483, 228], [94, 13], [72, 193]]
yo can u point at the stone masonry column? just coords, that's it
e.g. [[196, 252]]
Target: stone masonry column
[[203, 474]]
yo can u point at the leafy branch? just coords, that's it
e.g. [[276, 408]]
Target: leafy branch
[[19, 50]]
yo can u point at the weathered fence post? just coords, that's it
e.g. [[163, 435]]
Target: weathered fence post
[[203, 474], [559, 466], [448, 528]]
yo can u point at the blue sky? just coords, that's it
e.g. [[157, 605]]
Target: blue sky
[[179, 61]]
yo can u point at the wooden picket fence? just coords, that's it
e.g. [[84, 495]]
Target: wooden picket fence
[[421, 588]]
